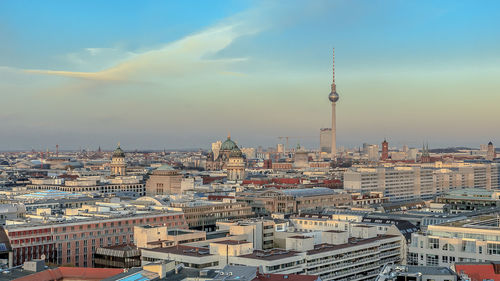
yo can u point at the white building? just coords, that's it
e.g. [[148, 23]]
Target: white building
[[411, 182], [470, 240]]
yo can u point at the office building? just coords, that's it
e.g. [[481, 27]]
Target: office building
[[325, 140]]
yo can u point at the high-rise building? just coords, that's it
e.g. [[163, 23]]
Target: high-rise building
[[216, 148], [373, 152], [385, 150], [490, 153], [280, 148], [405, 148], [325, 140], [333, 97]]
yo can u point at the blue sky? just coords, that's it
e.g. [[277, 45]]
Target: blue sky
[[158, 74]]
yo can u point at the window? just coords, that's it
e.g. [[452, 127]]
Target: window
[[448, 247], [412, 258], [480, 249], [445, 259], [432, 260], [493, 249], [468, 246], [433, 243]]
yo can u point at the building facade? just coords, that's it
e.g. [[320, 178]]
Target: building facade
[[470, 240], [325, 140], [164, 181], [75, 243]]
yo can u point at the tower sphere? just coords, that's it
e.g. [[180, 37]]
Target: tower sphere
[[333, 96]]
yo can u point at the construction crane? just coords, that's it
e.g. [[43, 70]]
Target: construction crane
[[286, 146], [287, 138]]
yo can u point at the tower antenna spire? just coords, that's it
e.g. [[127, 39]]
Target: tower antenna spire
[[333, 66]]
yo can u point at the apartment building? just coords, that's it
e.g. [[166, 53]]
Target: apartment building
[[347, 259], [404, 183], [475, 239]]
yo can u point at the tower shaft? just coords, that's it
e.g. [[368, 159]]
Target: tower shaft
[[334, 131]]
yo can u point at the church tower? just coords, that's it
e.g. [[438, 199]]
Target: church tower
[[118, 164]]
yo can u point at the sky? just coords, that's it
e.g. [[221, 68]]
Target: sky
[[183, 74]]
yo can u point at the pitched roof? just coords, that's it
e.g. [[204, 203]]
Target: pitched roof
[[479, 271]]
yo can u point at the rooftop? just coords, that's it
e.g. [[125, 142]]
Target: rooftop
[[479, 222], [274, 254], [479, 270], [182, 250], [305, 192], [231, 242], [69, 273], [352, 243]]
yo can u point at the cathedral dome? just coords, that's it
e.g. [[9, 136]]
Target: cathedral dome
[[236, 152], [118, 152], [228, 144]]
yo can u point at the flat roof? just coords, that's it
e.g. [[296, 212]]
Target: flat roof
[[182, 250], [269, 255], [231, 242], [325, 247]]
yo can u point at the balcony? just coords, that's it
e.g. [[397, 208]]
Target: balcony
[[343, 265], [337, 258], [389, 246], [343, 273], [389, 253]]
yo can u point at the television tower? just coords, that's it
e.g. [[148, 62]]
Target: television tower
[[334, 97]]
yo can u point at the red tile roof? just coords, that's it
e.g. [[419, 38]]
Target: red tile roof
[[80, 273], [479, 271]]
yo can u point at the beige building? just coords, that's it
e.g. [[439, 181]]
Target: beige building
[[118, 164], [402, 183], [235, 166], [471, 240], [159, 236], [203, 215], [352, 259], [259, 232], [288, 201], [164, 181]]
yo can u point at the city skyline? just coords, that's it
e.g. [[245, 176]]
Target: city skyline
[[80, 75]]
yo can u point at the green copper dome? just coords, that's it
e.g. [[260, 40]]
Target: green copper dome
[[118, 152], [228, 144]]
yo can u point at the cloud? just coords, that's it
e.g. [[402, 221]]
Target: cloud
[[191, 54]]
